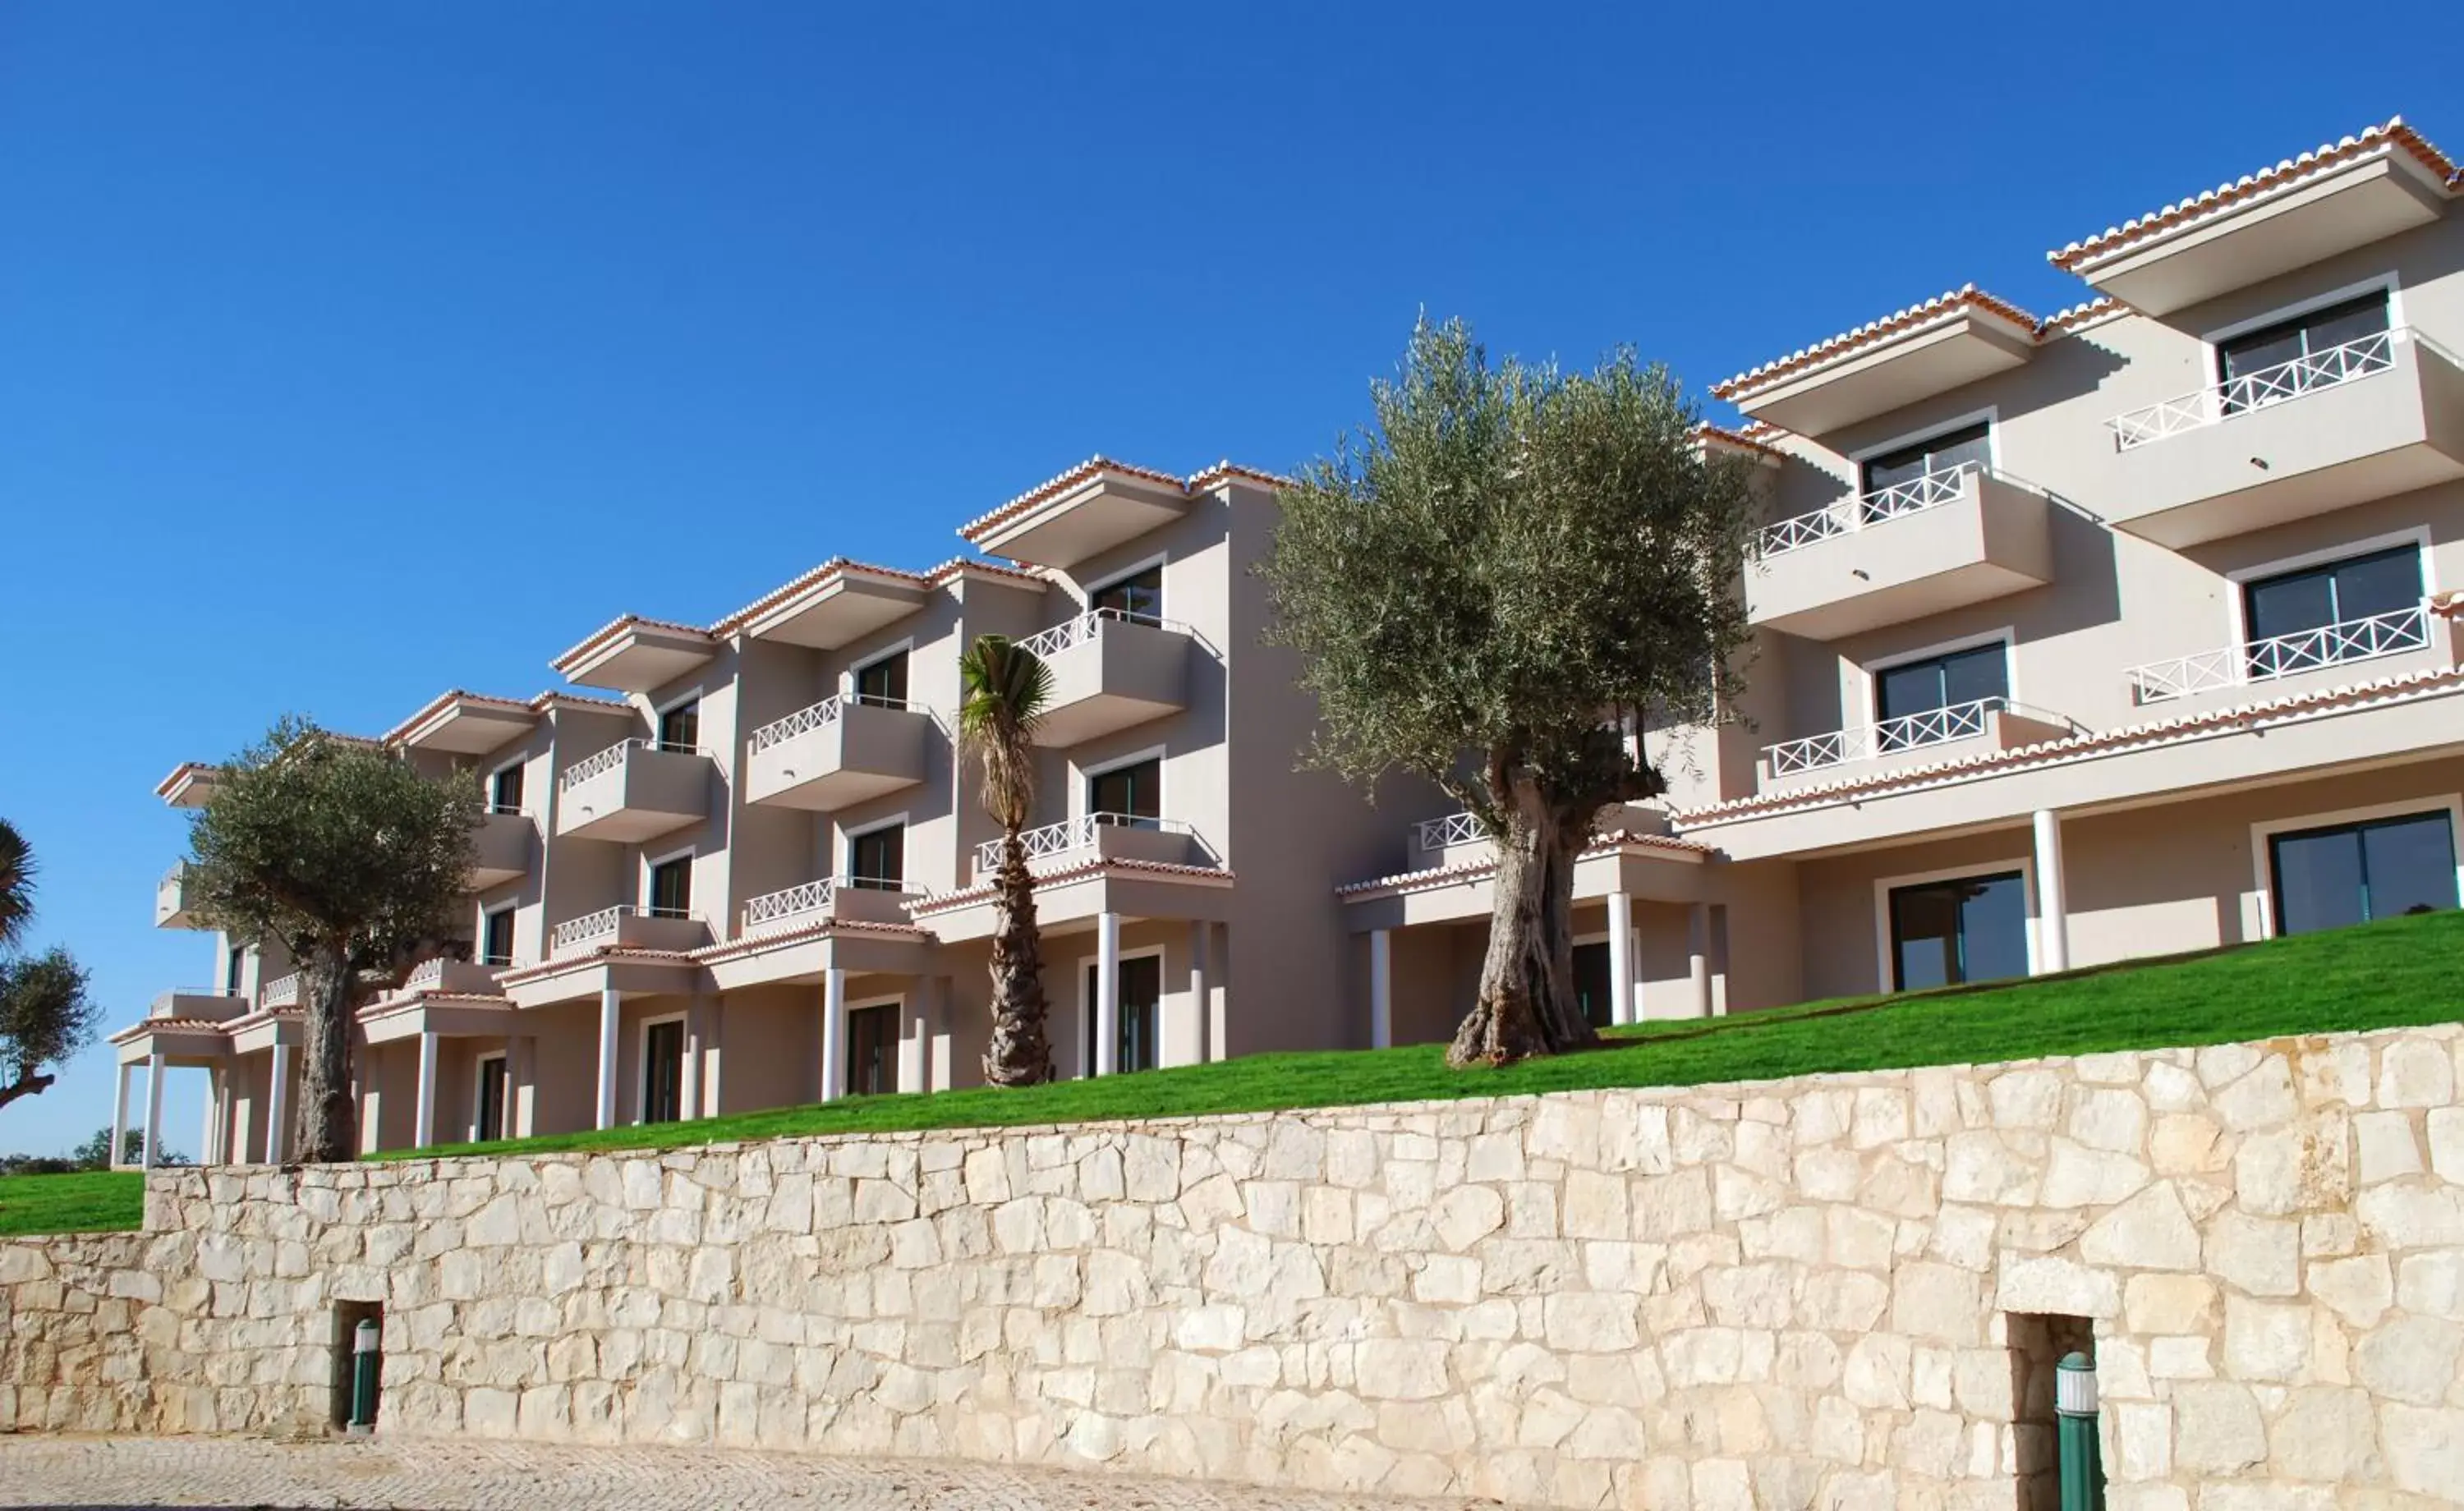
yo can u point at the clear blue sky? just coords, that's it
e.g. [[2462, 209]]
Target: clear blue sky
[[348, 353]]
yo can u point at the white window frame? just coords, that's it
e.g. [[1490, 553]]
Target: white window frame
[[2210, 358], [660, 711], [1163, 579], [1991, 416], [1870, 687], [651, 862], [1084, 778], [1885, 886], [847, 1070], [479, 1078], [642, 1064], [2258, 910], [846, 868], [1079, 1029], [2237, 609], [905, 647], [494, 772], [486, 912]]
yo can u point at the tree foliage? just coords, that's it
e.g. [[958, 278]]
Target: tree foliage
[[45, 1018], [1004, 691], [1490, 588], [17, 885], [351, 861]]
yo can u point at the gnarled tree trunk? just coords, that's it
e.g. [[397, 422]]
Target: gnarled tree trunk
[[1021, 1052], [322, 1131], [1527, 1003]]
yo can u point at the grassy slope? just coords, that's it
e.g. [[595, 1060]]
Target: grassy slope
[[106, 1201], [2401, 971]]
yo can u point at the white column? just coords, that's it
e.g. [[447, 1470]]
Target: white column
[[119, 1117], [833, 1033], [914, 1037], [1198, 939], [208, 1152], [1108, 994], [611, 1012], [2053, 905], [1219, 1030], [522, 1081], [939, 1071], [714, 1059], [1620, 957], [277, 1107], [423, 1112], [1698, 956], [688, 1077], [1381, 988], [153, 1151]]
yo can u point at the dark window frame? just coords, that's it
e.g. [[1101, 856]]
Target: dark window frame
[[662, 1093], [882, 1016], [1896, 938], [496, 1075], [1141, 1030], [2299, 327], [1144, 604], [487, 931], [680, 864], [2331, 571], [1128, 814], [677, 727], [872, 880], [1940, 662], [496, 782], [885, 663], [2356, 827], [1923, 449]]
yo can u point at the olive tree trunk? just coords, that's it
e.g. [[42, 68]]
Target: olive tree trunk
[[1526, 1004], [323, 1132], [1020, 1051]]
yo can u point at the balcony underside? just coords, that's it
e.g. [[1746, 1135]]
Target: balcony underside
[[501, 851], [1121, 676], [866, 753], [648, 794], [1992, 541]]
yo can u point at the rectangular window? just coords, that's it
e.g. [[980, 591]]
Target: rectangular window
[[505, 790], [234, 962], [1958, 680], [680, 727], [2350, 873], [877, 858], [2365, 606], [2256, 367], [1974, 929], [496, 937], [1137, 597], [1593, 981], [883, 683], [663, 1071], [1141, 1006], [1935, 454], [672, 888], [493, 1086], [873, 1050], [1130, 795]]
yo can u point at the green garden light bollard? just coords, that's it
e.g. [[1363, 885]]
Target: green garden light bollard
[[2074, 1426], [365, 1358]]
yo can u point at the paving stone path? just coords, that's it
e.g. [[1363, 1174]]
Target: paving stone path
[[437, 1474]]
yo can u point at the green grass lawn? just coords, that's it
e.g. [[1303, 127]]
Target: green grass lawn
[[2381, 975], [103, 1201]]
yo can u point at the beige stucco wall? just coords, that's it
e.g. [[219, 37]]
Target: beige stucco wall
[[1822, 1292]]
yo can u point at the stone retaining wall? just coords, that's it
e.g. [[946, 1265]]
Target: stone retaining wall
[[1840, 1292]]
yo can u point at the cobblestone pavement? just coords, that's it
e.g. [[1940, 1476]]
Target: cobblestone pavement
[[442, 1475]]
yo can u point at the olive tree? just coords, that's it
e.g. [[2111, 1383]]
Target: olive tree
[[1491, 587], [45, 1018], [351, 861]]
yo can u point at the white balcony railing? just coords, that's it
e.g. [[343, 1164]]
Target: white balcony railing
[[1839, 518], [810, 897], [614, 756], [2281, 655], [574, 931], [2257, 390], [1049, 643], [820, 716], [1072, 834], [1455, 828], [1910, 731], [281, 993]]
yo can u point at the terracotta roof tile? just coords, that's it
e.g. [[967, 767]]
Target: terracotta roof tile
[[1472, 871], [172, 1025], [945, 902], [1941, 307], [754, 944], [617, 626], [436, 704], [2393, 136], [1053, 486], [833, 566]]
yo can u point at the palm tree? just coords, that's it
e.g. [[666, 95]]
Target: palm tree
[[17, 885], [1005, 691]]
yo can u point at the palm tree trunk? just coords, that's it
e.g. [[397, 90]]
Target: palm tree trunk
[[322, 1131], [1526, 1004], [1021, 1052]]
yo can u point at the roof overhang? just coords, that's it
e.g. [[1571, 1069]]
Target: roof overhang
[[2306, 217], [637, 655], [836, 606], [1081, 513], [1930, 350], [189, 785], [465, 724], [428, 1013]]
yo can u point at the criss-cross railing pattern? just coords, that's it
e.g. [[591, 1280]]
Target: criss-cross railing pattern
[[1908, 732], [1049, 643], [428, 972], [2256, 391], [801, 722], [589, 926], [771, 907], [1838, 518], [614, 756], [282, 991], [2281, 655], [1072, 834], [1455, 828]]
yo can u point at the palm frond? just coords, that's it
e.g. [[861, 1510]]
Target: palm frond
[[1004, 692], [16, 884]]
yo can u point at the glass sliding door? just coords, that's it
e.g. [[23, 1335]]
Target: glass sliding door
[[663, 1071], [873, 1050], [1971, 929], [1141, 1004], [2352, 873]]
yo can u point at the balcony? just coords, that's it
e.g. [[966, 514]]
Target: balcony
[[2402, 639], [1096, 836], [840, 751], [626, 928], [1109, 673], [500, 848], [1941, 541], [196, 1004], [449, 978], [2369, 419], [831, 899], [1081, 513], [284, 994], [1458, 839], [173, 904], [1913, 739], [632, 791]]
